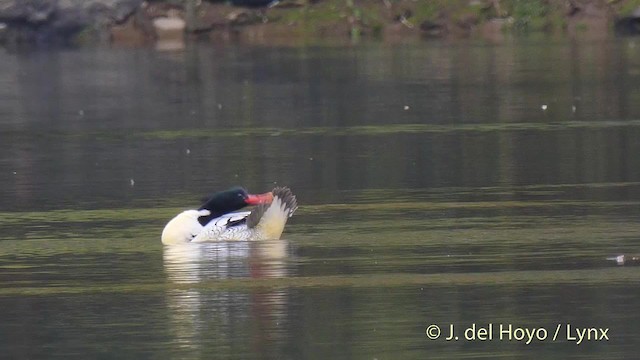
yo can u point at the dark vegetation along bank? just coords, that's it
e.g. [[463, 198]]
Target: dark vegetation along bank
[[138, 22]]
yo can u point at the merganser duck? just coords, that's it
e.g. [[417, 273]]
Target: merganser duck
[[215, 219]]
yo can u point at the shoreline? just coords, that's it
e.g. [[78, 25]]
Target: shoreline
[[171, 23]]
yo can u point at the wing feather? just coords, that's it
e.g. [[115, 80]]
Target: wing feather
[[220, 225], [225, 219]]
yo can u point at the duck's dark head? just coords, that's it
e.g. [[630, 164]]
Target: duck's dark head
[[231, 200]]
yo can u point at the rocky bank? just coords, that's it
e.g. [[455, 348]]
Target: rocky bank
[[139, 22]]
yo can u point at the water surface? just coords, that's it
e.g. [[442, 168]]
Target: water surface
[[462, 184]]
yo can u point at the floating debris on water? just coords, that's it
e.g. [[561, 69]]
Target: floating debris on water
[[625, 259], [132, 182], [406, 107], [543, 107]]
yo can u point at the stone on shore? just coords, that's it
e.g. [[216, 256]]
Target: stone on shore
[[60, 20], [169, 32]]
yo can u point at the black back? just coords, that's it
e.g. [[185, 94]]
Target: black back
[[222, 203]]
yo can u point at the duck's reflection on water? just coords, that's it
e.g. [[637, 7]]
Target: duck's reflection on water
[[194, 263], [221, 315]]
